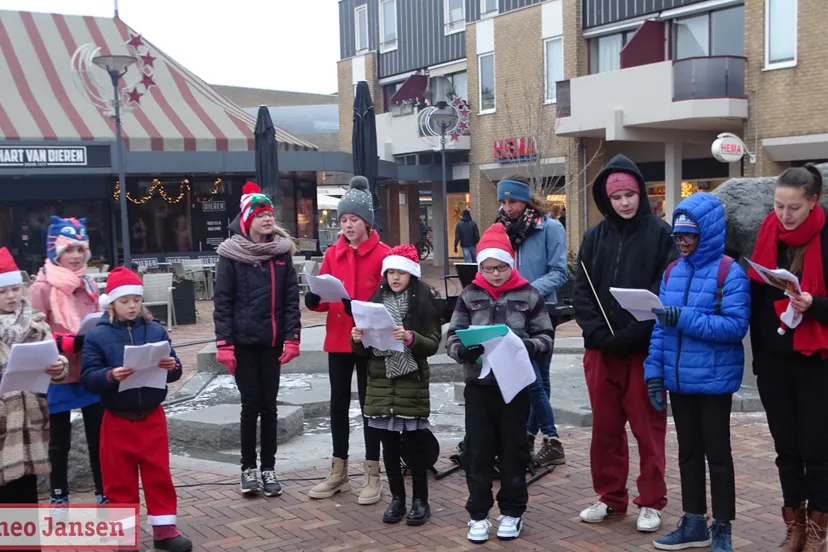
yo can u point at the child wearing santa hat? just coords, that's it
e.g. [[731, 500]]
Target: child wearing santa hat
[[397, 398], [134, 429], [498, 295]]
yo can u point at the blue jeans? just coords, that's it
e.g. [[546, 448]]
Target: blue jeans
[[470, 254], [541, 417]]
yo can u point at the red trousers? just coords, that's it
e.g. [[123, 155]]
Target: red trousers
[[618, 394], [126, 447]]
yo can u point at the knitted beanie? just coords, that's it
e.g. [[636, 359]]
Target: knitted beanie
[[9, 273], [120, 282], [64, 233], [513, 189], [253, 202], [621, 182], [357, 201], [685, 225], [495, 244], [402, 257]]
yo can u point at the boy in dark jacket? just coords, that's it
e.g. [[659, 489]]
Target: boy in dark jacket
[[134, 428], [498, 295], [629, 249], [466, 235]]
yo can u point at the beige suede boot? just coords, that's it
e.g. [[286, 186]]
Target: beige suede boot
[[371, 493], [337, 481]]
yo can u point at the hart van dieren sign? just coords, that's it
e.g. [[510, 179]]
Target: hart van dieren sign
[[43, 156]]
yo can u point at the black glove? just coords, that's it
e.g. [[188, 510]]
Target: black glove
[[470, 354], [347, 304], [655, 389], [532, 349], [312, 300], [668, 316]]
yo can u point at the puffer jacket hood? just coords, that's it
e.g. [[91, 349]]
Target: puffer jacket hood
[[619, 163], [703, 353]]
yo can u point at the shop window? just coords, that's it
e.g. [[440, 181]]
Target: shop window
[[780, 33], [553, 52], [361, 28], [159, 217], [388, 25], [454, 12], [487, 83]]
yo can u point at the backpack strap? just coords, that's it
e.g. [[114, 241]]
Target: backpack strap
[[669, 269], [724, 269]]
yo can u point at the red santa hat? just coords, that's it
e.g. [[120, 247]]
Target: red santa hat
[[120, 282], [253, 202], [9, 273], [403, 257], [495, 244]]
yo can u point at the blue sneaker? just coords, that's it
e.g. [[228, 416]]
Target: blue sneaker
[[100, 499], [721, 537], [692, 532]]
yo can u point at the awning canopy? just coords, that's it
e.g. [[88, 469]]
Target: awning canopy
[[413, 89], [49, 93]]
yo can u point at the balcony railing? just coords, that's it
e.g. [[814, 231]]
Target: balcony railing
[[705, 78], [564, 99]]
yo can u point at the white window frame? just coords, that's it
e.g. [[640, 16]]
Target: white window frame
[[357, 46], [449, 30], [482, 111], [546, 96], [484, 14], [770, 65], [390, 46]]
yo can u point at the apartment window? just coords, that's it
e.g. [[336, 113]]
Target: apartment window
[[361, 24], [553, 49], [488, 8], [692, 37], [487, 83], [605, 52], [445, 87], [780, 33], [718, 33], [455, 15], [388, 23]]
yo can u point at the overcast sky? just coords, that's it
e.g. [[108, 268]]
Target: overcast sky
[[275, 44]]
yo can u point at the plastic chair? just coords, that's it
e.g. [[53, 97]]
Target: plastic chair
[[158, 290]]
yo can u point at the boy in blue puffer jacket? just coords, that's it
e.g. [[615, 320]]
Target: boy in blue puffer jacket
[[696, 353], [134, 428]]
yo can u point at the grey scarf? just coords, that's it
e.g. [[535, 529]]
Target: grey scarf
[[238, 248], [397, 363]]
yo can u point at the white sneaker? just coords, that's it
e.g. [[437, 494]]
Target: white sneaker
[[479, 531], [509, 527], [596, 513], [649, 520]]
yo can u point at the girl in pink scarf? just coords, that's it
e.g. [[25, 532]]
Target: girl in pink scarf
[[64, 293]]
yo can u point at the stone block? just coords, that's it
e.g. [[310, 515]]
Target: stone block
[[218, 427]]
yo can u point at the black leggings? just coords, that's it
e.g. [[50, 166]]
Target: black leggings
[[257, 378], [20, 491], [60, 441], [340, 371], [392, 445]]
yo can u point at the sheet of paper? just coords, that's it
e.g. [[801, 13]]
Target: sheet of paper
[[328, 288], [778, 278], [144, 360], [377, 326], [639, 302], [506, 356], [26, 368], [89, 322]]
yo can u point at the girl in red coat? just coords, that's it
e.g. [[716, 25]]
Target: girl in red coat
[[355, 259]]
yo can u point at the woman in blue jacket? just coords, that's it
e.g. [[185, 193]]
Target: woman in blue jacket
[[696, 353]]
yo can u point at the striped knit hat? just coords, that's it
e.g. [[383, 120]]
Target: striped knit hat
[[685, 225], [253, 202]]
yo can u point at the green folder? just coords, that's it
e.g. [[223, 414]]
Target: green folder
[[476, 335]]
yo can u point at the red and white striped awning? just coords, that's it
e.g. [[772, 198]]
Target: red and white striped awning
[[49, 93]]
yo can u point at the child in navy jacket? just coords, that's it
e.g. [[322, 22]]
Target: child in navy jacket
[[134, 429]]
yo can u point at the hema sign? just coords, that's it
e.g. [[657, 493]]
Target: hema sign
[[43, 156]]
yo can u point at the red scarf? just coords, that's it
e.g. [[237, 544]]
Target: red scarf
[[514, 282], [810, 336]]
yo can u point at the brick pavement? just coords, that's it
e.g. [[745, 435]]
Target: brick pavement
[[218, 519]]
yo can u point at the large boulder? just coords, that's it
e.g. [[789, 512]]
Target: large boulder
[[747, 202]]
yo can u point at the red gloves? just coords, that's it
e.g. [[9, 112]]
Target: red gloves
[[227, 355], [291, 351]]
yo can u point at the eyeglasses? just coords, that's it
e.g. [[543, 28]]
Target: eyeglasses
[[265, 215], [493, 269], [686, 239]]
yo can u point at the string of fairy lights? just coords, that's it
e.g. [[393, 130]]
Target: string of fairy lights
[[158, 187]]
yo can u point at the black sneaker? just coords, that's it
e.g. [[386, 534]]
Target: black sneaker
[[551, 453], [270, 484], [250, 482], [179, 543]]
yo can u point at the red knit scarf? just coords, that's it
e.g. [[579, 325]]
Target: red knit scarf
[[810, 336], [515, 281]]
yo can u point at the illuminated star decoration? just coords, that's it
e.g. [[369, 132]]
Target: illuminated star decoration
[[145, 62], [463, 112]]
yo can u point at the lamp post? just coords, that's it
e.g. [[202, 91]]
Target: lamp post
[[444, 119], [117, 67]]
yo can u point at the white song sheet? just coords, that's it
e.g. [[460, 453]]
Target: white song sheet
[[26, 369], [639, 302], [377, 326], [507, 357], [89, 323], [328, 288], [144, 360]]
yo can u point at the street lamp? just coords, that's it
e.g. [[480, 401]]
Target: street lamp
[[117, 67], [443, 120]]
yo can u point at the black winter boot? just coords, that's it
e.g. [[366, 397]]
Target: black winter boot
[[396, 510], [420, 510]]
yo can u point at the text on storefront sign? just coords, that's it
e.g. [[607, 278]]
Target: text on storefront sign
[[50, 156], [515, 149]]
